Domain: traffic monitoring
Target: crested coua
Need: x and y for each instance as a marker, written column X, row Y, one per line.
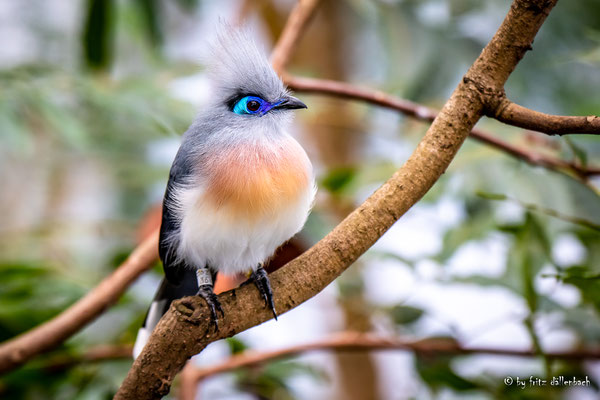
column 239, row 186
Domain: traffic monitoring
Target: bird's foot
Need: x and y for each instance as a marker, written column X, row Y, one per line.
column 207, row 293
column 261, row 281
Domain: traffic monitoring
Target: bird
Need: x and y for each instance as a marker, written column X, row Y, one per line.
column 240, row 185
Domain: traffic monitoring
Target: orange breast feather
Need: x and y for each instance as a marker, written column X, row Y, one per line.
column 252, row 181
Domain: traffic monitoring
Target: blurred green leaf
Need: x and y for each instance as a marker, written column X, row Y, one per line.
column 236, row 346
column 31, row 294
column 404, row 315
column 337, row 179
column 188, row 5
column 477, row 224
column 150, row 10
column 529, row 252
column 14, row 133
column 437, row 373
column 382, row 254
column 584, row 321
column 591, row 242
column 270, row 381
column 578, row 152
column 533, row 207
column 98, row 35
column 350, row 286
column 586, row 281
column 62, row 123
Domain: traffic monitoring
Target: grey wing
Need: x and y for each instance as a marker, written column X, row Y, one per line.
column 175, row 269
column 180, row 280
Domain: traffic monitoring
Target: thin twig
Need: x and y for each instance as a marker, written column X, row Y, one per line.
column 424, row 113
column 350, row 341
column 95, row 354
column 289, row 38
column 17, row 351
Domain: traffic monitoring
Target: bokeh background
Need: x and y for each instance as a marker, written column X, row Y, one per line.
column 94, row 95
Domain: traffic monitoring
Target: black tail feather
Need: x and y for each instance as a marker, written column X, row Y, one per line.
column 166, row 293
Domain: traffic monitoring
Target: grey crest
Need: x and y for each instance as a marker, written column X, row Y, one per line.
column 238, row 66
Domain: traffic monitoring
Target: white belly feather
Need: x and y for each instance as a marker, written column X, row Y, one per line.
column 210, row 237
column 220, row 233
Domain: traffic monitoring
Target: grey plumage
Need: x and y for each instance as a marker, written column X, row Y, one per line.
column 227, row 151
column 238, row 65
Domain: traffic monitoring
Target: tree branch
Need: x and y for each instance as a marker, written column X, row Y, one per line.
column 95, row 354
column 292, row 31
column 424, row 113
column 511, row 113
column 351, row 341
column 17, row 351
column 185, row 329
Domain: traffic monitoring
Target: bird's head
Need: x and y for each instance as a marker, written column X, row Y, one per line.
column 245, row 88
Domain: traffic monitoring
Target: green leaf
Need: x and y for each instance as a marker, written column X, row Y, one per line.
column 584, row 321
column 586, row 281
column 150, row 12
column 491, row 196
column 62, row 123
column 388, row 255
column 30, row 294
column 548, row 211
column 404, row 315
column 478, row 223
column 285, row 369
column 15, row 135
column 188, row 5
column 98, row 35
column 337, row 179
column 270, row 381
column 530, row 251
column 437, row 373
column 591, row 241
column 236, row 346
column 578, row 152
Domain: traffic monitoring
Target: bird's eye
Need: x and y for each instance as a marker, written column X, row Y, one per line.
column 253, row 105
column 250, row 105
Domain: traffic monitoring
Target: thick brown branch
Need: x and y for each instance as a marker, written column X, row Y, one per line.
column 513, row 114
column 295, row 25
column 424, row 113
column 50, row 334
column 349, row 341
column 185, row 329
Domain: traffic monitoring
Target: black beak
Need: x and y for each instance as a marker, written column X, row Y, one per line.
column 290, row 103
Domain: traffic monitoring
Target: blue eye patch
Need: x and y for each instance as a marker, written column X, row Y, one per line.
column 252, row 105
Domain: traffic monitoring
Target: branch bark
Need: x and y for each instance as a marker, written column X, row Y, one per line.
column 511, row 113
column 424, row 113
column 17, row 351
column 350, row 341
column 95, row 354
column 185, row 329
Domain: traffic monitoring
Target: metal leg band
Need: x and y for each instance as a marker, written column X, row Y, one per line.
column 203, row 276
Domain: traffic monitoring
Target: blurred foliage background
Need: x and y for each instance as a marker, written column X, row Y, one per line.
column 95, row 93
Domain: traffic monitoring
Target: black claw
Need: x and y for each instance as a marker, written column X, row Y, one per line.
column 261, row 281
column 206, row 292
